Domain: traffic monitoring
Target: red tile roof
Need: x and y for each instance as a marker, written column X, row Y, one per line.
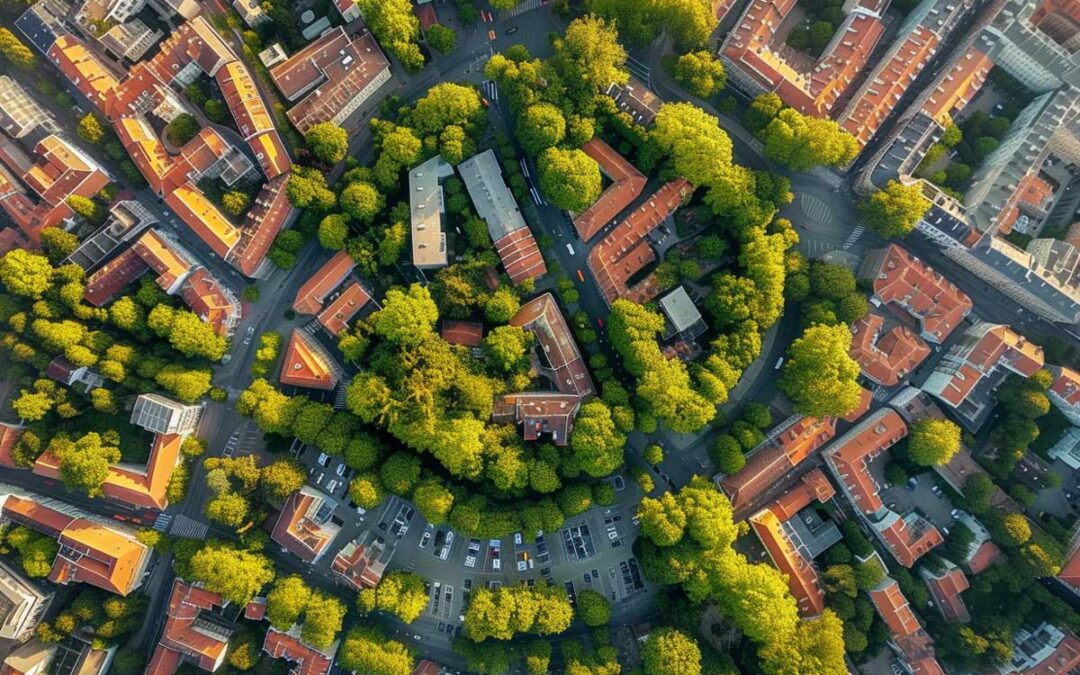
column 426, row 15
column 787, row 446
column 908, row 538
column 887, row 360
column 255, row 610
column 907, row 634
column 307, row 660
column 310, row 296
column 1070, row 571
column 1064, row 660
column 521, row 256
column 539, row 413
column 211, row 301
column 946, row 590
column 359, row 563
column 9, row 435
column 328, row 76
column 11, row 239
column 627, row 184
column 336, row 316
column 182, row 637
column 902, row 279
column 542, row 317
column 803, row 580
column 204, row 219
column 267, row 217
column 625, row 251
column 307, row 364
column 851, row 456
column 984, row 557
column 987, row 347
column 113, row 277
column 468, row 333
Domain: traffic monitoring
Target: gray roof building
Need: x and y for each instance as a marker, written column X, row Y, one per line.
column 493, row 201
column 162, row 415
column 426, row 212
column 22, row 605
column 683, row 317
column 19, row 113
column 1035, row 44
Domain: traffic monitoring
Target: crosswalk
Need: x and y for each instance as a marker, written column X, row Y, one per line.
column 233, row 392
column 191, row 529
column 814, row 208
column 854, row 236
column 161, row 523
column 815, row 248
column 827, row 175
column 491, row 90
column 521, row 8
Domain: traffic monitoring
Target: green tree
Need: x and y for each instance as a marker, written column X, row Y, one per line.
column 407, row 318
column 433, row 500
column 569, row 179
column 25, row 273
column 508, row 348
column 366, row 650
column 593, row 608
column 398, row 593
column 235, row 203
column 801, row 142
column 58, row 243
column 366, row 490
column 322, row 620
column 589, row 55
column 501, row 305
column 229, row 509
column 596, row 442
column 400, row 472
column 653, row 454
column 181, row 129
column 36, row 551
column 397, row 29
column 237, row 575
column 87, row 208
column 933, row 442
column 84, row 464
column 700, row 74
column 14, row 51
column 509, row 610
column 894, row 210
column 727, row 454
column 668, row 651
column 90, row 128
column 307, row 189
column 762, row 111
column 541, row 126
column 286, row 601
column 819, row 376
column 441, row 38
column 328, row 142
column 333, row 231
column 361, row 201
column 281, row 478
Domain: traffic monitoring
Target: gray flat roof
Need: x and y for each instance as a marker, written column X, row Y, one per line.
column 426, row 208
column 493, row 201
column 680, row 309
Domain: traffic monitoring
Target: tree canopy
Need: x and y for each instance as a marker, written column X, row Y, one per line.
column 819, row 376
column 569, row 179
column 894, row 210
column 327, row 141
column 933, row 442
column 700, row 73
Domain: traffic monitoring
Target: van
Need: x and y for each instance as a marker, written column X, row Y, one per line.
column 779, row 363
column 570, row 248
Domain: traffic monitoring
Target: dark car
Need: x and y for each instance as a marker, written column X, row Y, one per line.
column 511, row 30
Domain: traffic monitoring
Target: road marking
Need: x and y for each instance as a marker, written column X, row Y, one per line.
column 186, row 527
column 854, row 236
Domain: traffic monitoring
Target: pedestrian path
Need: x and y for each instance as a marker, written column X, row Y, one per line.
column 638, row 69
column 161, row 523
column 339, row 395
column 191, row 529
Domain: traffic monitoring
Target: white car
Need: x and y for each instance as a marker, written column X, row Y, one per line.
column 331, row 486
column 496, row 564
column 470, row 561
column 322, row 458
column 425, row 539
column 318, row 481
column 517, row 539
column 449, row 539
column 570, row 249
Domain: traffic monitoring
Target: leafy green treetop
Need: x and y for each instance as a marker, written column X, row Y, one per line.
column 894, row 210
column 933, row 442
column 819, row 376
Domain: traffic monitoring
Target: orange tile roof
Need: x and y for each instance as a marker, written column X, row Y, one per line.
column 625, row 250
column 271, row 154
column 993, row 345
column 142, row 488
column 328, row 76
column 9, row 435
column 541, row 317
column 888, row 360
column 10, row 238
column 894, row 608
column 1033, row 191
column 41, row 518
column 296, row 530
column 468, row 333
column 908, row 538
column 1064, row 659
column 946, row 590
column 876, row 98
column 851, row 456
column 182, row 636
column 803, row 580
column 252, row 118
column 310, row 296
column 336, row 316
column 794, row 441
column 100, row 556
column 200, row 214
column 627, row 184
column 161, row 256
column 306, row 363
column 88, row 74
column 211, row 301
column 145, row 150
column 521, row 256
column 959, row 84
column 900, row 278
column 538, row 412
column 308, row 660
